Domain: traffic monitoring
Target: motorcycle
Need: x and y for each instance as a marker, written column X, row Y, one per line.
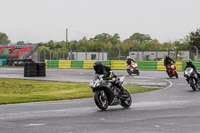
column 171, row 71
column 192, row 78
column 107, row 94
column 133, row 70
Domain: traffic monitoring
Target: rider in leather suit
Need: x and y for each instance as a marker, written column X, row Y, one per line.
column 99, row 68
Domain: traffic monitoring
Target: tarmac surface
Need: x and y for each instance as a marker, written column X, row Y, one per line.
column 171, row 110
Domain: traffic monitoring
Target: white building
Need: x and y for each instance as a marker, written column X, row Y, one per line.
column 158, row 55
column 88, row 55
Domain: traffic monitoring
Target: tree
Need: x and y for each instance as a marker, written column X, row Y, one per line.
column 20, row 43
column 140, row 38
column 105, row 38
column 194, row 38
column 4, row 39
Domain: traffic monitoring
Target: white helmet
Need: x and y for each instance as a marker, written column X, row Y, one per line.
column 128, row 57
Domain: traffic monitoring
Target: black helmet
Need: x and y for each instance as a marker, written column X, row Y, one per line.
column 189, row 62
column 98, row 67
column 167, row 56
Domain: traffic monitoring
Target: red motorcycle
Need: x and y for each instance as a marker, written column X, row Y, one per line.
column 133, row 69
column 171, row 71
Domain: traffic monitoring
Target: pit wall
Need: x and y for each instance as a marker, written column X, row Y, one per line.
column 115, row 64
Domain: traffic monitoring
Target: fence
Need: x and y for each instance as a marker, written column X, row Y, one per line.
column 115, row 64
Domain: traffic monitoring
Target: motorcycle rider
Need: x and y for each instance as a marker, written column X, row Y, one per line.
column 99, row 68
column 168, row 61
column 190, row 64
column 129, row 61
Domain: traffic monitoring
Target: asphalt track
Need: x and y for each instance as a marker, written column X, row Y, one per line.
column 175, row 109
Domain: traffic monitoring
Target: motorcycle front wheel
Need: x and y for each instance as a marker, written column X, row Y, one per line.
column 101, row 99
column 192, row 84
column 129, row 71
column 138, row 73
column 176, row 74
column 126, row 103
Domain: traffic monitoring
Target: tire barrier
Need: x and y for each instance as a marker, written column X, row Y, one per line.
column 17, row 62
column 41, row 69
column 32, row 69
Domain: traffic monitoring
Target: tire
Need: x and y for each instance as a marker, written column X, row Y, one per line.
column 192, row 84
column 126, row 103
column 31, row 67
column 129, row 71
column 101, row 100
column 31, row 64
column 32, row 71
column 41, row 64
column 41, row 71
column 41, row 74
column 25, row 74
column 41, row 68
column 138, row 73
column 176, row 74
column 169, row 74
column 31, row 74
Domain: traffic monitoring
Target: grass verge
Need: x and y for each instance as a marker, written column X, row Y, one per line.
column 21, row 91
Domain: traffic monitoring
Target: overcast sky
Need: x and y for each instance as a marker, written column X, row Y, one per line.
column 43, row 20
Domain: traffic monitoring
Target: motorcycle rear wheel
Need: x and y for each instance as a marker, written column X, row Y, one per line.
column 101, row 100
column 126, row 103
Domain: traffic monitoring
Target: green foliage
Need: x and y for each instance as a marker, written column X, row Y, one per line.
column 140, row 38
column 4, row 39
column 112, row 44
column 194, row 38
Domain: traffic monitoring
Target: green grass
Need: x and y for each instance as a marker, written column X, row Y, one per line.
column 20, row 91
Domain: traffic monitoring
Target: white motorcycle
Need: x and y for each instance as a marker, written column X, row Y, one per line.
column 133, row 70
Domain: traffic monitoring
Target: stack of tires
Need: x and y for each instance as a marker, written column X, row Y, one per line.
column 32, row 69
column 41, row 69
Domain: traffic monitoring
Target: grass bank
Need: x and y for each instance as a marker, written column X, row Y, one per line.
column 20, row 91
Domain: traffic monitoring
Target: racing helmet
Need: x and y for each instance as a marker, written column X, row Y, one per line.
column 98, row 66
column 189, row 62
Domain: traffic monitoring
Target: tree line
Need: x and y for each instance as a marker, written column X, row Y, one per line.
column 112, row 44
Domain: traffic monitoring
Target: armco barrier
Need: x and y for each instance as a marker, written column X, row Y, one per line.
column 117, row 64
column 197, row 64
column 76, row 64
column 107, row 63
column 147, row 65
column 160, row 66
column 64, row 64
column 88, row 64
column 178, row 66
column 52, row 64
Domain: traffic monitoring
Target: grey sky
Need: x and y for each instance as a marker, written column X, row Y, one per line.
column 44, row 20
